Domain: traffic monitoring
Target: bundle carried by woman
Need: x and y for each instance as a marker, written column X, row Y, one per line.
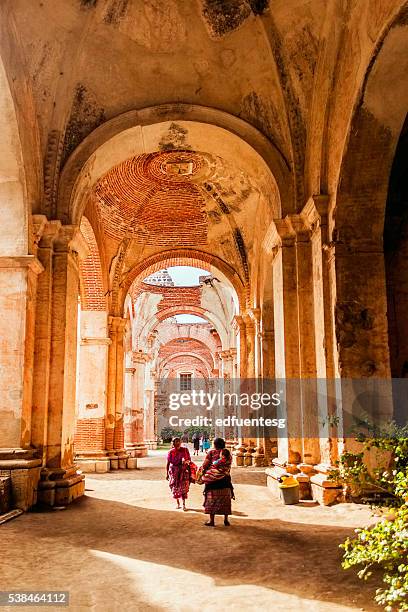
column 217, row 476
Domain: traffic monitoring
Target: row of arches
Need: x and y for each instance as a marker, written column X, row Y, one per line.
column 308, row 282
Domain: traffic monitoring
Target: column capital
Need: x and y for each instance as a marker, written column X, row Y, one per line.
column 307, row 222
column 70, row 240
column 302, row 228
column 227, row 353
column 46, row 233
column 64, row 237
column 254, row 314
column 286, row 231
column 140, row 357
column 238, row 323
column 39, row 223
column 116, row 323
column 249, row 321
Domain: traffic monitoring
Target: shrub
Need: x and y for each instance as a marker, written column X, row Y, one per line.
column 383, row 546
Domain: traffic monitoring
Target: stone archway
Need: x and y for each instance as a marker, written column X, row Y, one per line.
column 360, row 274
column 168, row 127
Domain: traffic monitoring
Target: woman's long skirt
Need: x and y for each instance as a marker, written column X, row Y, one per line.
column 179, row 481
column 217, row 501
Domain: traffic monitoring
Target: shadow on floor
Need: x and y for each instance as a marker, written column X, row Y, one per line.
column 293, row 558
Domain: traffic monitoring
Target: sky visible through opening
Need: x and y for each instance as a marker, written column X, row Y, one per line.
column 186, row 276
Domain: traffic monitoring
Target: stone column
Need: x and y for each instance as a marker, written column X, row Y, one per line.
column 287, row 334
column 114, row 429
column 268, row 353
column 311, row 329
column 253, row 321
column 242, row 369
column 139, row 360
column 60, row 480
column 149, row 395
column 18, row 281
column 46, row 232
column 330, row 451
column 228, row 385
column 92, row 380
column 226, row 357
column 240, row 332
column 134, row 429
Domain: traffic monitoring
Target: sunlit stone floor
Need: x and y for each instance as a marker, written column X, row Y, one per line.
column 125, row 547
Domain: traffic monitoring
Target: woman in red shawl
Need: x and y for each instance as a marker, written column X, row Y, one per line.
column 178, row 472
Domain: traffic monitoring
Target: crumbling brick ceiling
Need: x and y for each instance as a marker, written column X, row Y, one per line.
column 146, row 199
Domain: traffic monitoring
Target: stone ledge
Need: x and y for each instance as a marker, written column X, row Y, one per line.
column 18, row 453
column 92, row 466
column 61, row 492
column 24, row 475
column 22, row 261
column 19, row 464
column 326, row 492
column 63, row 482
column 323, row 481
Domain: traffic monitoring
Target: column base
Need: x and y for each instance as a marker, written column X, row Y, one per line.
column 136, row 450
column 60, row 487
column 91, row 463
column 258, row 458
column 151, row 444
column 248, row 459
column 327, row 492
column 239, row 455
column 23, row 468
column 120, row 460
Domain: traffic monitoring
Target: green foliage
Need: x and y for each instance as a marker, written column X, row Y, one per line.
column 167, row 433
column 383, row 546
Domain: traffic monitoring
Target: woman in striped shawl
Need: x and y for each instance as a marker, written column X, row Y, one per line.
column 218, row 490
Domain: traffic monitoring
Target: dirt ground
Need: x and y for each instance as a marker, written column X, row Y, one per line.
column 124, row 546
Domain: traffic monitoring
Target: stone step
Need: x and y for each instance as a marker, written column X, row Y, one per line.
column 10, row 515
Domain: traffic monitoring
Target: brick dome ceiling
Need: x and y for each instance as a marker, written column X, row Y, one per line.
column 155, row 200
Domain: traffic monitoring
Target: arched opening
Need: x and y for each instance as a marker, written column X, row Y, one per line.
column 179, row 328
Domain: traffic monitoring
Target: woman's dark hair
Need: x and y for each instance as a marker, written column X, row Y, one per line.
column 219, row 443
column 175, row 439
